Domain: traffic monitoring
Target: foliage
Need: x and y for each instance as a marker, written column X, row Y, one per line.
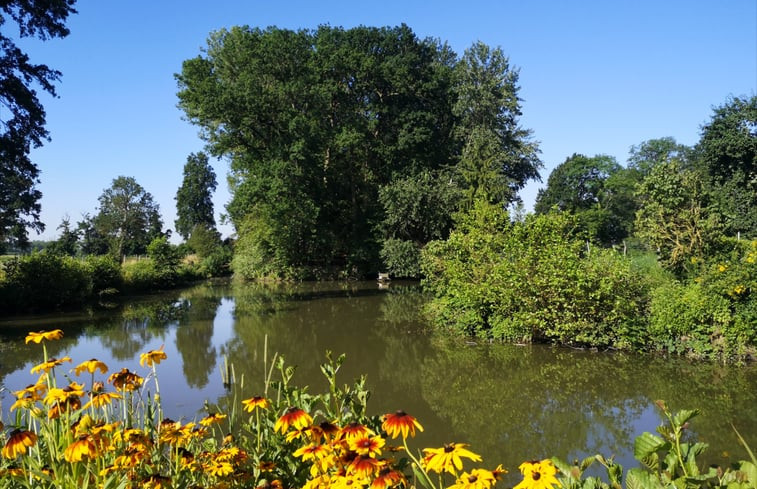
column 44, row 281
column 22, row 125
column 597, row 190
column 498, row 156
column 128, row 217
column 675, row 217
column 532, row 281
column 416, row 210
column 712, row 314
column 194, row 204
column 669, row 460
column 648, row 154
column 68, row 242
column 317, row 122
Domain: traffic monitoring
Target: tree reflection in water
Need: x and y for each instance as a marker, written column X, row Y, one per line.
column 511, row 403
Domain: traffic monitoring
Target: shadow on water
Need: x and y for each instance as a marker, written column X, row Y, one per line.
column 511, row 403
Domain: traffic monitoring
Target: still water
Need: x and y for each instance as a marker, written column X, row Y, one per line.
column 510, row 403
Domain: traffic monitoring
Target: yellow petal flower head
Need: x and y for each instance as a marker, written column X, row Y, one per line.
column 152, row 357
column 476, row 479
column 363, row 466
column 37, row 337
column 388, row 477
column 81, row 450
column 293, row 416
column 538, row 475
column 366, row 445
column 255, row 402
column 219, row 469
column 312, row 452
column 400, row 423
column 448, row 458
column 17, row 443
column 124, row 380
column 354, row 430
column 50, row 364
column 212, row 418
column 90, row 366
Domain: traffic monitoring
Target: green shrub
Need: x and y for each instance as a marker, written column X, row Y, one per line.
column 534, row 280
column 402, row 258
column 44, row 281
column 104, row 273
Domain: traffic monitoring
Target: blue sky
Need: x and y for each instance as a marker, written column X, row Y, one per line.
column 596, row 77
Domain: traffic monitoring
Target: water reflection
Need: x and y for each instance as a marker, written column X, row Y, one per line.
column 510, row 403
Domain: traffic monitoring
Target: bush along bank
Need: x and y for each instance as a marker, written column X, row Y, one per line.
column 106, row 431
column 46, row 281
column 539, row 280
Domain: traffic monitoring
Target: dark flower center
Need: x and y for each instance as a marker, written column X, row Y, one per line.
column 536, row 475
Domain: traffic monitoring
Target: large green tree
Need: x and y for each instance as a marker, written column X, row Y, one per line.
column 728, row 151
column 598, row 190
column 314, row 123
column 498, row 156
column 194, row 199
column 128, row 217
column 22, row 120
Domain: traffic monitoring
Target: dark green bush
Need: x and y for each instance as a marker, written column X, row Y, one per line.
column 44, row 281
column 402, row 258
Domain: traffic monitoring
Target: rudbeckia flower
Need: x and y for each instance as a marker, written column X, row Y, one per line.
column 353, row 430
column 366, row 445
column 387, row 478
column 37, row 337
column 18, row 442
column 212, row 418
column 125, row 380
column 218, row 469
column 364, row 466
column 51, row 363
column 538, row 475
column 312, row 452
column 90, row 366
column 81, row 449
column 400, row 423
column 293, row 416
column 448, row 458
column 254, row 403
column 476, row 479
column 152, row 357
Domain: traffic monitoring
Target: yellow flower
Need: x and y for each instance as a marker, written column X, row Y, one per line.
column 37, row 337
column 90, row 366
column 51, row 363
column 722, row 268
column 366, row 445
column 125, row 380
column 312, row 452
column 155, row 481
column 82, row 449
column 255, row 402
column 17, row 443
column 293, row 416
column 212, row 418
column 387, row 478
column 364, row 466
column 152, row 357
column 476, row 479
column 538, row 475
column 219, row 469
column 400, row 423
column 354, row 430
column 447, row 458
column 739, row 289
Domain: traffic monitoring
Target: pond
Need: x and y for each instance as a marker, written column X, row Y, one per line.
column 510, row 403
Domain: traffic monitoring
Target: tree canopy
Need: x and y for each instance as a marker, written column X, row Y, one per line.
column 315, row 122
column 22, row 122
column 128, row 218
column 194, row 199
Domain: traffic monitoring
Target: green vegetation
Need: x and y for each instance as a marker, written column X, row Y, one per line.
column 324, row 128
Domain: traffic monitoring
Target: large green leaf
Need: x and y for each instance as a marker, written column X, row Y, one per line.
column 645, row 449
column 681, row 417
column 640, row 479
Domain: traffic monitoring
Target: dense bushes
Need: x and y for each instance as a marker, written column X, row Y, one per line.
column 538, row 280
column 532, row 281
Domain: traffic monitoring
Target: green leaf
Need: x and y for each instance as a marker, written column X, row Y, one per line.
column 681, row 417
column 640, row 479
column 646, row 446
column 750, row 471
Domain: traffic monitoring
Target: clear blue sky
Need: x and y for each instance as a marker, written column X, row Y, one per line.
column 595, row 76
